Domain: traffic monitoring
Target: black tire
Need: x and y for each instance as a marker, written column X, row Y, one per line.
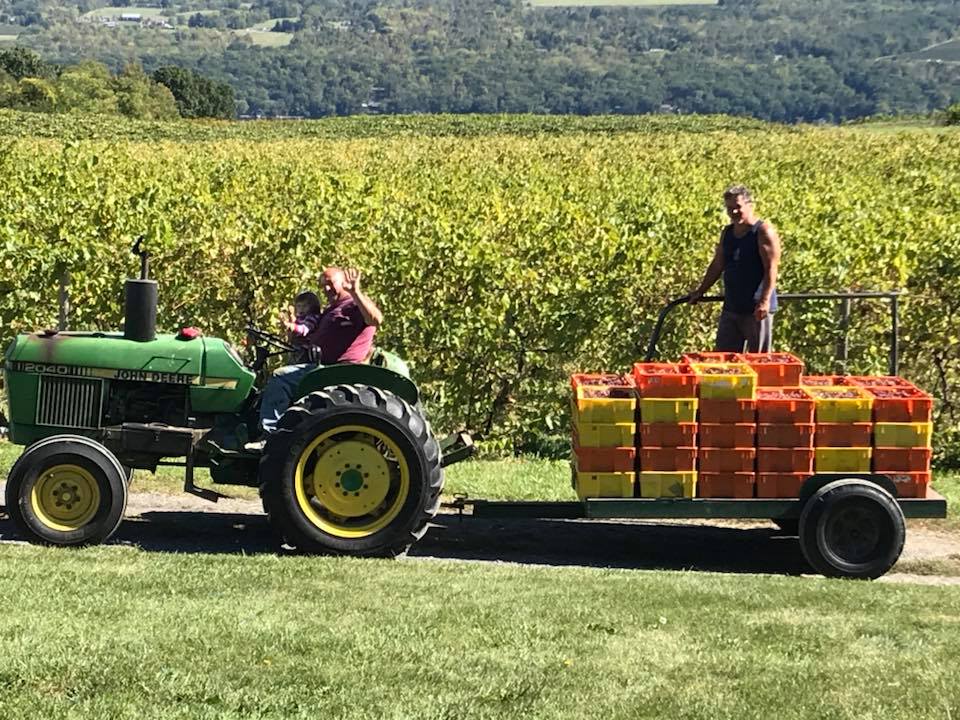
column 397, row 519
column 41, row 475
column 852, row 529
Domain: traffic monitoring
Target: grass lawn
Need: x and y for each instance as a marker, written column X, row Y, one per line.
column 115, row 12
column 121, row 633
column 633, row 3
column 266, row 38
column 8, row 38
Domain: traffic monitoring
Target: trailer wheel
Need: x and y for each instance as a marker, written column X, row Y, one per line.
column 66, row 490
column 351, row 470
column 852, row 529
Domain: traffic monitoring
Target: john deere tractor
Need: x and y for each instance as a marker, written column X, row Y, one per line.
column 353, row 468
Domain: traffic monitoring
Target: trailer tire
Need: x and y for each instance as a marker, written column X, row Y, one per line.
column 351, row 470
column 852, row 529
column 66, row 490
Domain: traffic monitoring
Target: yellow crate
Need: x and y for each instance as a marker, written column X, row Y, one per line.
column 833, row 407
column 907, row 435
column 604, row 485
column 668, row 484
column 668, row 410
column 605, row 434
column 604, row 410
column 842, row 459
column 738, row 382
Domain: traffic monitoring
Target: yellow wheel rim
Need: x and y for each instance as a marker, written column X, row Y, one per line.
column 65, row 497
column 352, row 481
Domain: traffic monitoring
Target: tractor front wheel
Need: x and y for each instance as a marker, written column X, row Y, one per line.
column 352, row 470
column 66, row 490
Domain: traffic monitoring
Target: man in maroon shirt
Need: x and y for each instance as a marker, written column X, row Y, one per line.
column 343, row 334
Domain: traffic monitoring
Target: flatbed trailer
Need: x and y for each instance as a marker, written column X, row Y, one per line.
column 848, row 524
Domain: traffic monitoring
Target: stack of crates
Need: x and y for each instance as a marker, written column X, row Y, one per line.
column 667, row 437
column 902, row 432
column 603, row 411
column 727, row 393
column 784, row 425
column 844, row 415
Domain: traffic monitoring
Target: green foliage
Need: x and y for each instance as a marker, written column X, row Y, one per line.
column 19, row 62
column 503, row 262
column 952, row 115
column 197, row 96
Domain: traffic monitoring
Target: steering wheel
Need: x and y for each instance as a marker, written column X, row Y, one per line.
column 268, row 338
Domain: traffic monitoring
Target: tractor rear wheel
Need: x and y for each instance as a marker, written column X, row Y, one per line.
column 852, row 528
column 66, row 490
column 352, row 470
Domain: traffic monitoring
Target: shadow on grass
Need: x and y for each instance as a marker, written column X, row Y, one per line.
column 648, row 545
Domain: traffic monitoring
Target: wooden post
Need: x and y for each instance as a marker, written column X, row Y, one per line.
column 64, row 300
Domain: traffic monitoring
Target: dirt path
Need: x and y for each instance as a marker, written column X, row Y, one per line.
column 183, row 523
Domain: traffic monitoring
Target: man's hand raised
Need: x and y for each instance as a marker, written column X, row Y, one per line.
column 351, row 281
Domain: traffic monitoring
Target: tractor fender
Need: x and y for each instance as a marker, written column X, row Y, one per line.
column 359, row 374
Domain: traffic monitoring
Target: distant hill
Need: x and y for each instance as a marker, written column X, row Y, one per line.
column 817, row 60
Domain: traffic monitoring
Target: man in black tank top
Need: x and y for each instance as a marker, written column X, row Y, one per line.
column 747, row 257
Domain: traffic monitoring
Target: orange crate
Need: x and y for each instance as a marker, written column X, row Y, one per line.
column 780, row 485
column 664, row 435
column 775, row 369
column 840, row 435
column 912, row 484
column 784, row 406
column 678, row 459
column 727, row 435
column 726, row 485
column 823, row 380
column 728, row 411
column 785, row 436
column 879, row 381
column 711, row 357
column 620, row 459
column 664, row 380
column 899, row 460
column 719, row 460
column 785, row 460
column 901, row 404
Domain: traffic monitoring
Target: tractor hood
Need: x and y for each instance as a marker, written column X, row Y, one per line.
column 217, row 379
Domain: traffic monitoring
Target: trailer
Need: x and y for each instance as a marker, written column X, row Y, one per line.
column 849, row 525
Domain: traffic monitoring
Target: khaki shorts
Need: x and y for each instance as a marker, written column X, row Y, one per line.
column 734, row 331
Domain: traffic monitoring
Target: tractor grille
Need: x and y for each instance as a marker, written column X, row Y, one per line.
column 70, row 402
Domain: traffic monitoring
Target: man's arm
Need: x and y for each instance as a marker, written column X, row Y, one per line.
column 714, row 271
column 368, row 308
column 769, row 246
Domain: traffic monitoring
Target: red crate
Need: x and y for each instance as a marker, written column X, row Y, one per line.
column 823, row 380
column 879, row 381
column 772, row 435
column 668, row 435
column 727, row 459
column 901, row 404
column 785, row 460
column 711, row 357
column 678, row 459
column 605, row 459
column 784, row 406
column 912, row 484
column 726, row 485
column 664, row 380
column 775, row 369
column 780, row 485
column 728, row 411
column 844, row 435
column 605, row 385
column 899, row 460
column 728, row 435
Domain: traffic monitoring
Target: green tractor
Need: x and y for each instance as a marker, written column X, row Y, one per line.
column 352, row 469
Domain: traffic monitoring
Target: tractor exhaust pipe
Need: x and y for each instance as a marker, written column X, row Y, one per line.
column 140, row 301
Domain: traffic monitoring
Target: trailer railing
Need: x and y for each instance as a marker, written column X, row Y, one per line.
column 844, row 298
